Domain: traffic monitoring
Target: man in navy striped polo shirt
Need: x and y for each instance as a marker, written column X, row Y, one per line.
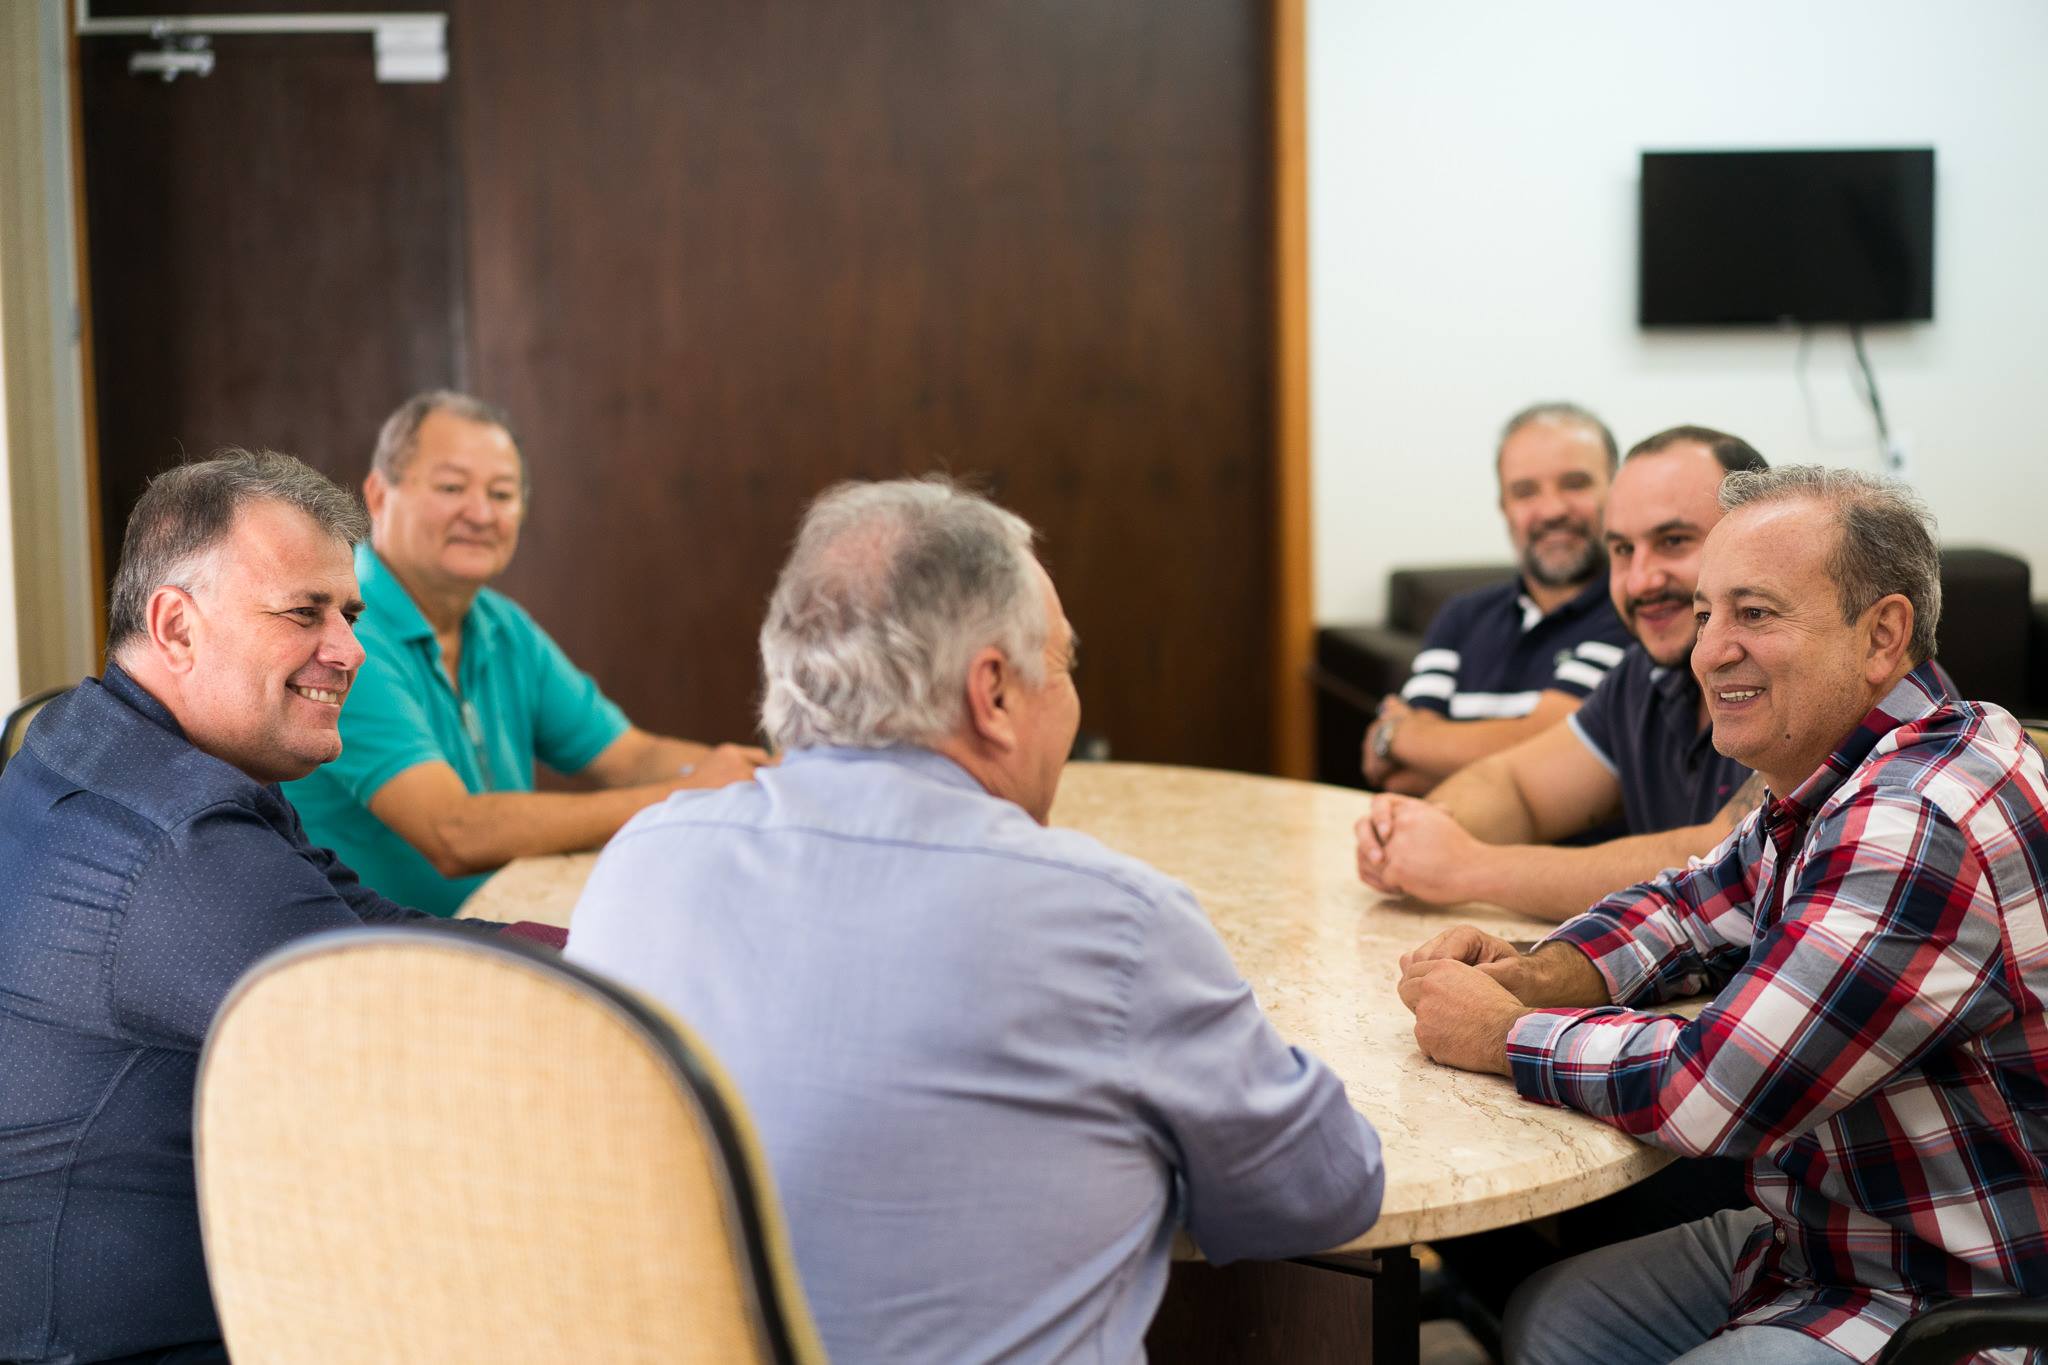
column 1504, row 663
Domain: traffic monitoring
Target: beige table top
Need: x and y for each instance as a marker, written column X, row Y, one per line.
column 1271, row 861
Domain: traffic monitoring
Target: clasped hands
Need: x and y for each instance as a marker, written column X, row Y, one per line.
column 1408, row 847
column 1466, row 987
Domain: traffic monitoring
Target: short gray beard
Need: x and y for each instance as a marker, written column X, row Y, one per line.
column 1581, row 571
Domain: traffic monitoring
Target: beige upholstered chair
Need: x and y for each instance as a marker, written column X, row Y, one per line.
column 421, row 1145
column 15, row 728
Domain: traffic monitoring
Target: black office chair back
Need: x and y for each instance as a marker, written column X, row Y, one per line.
column 1956, row 1331
column 15, row 728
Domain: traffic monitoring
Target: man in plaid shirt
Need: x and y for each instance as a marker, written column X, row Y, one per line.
column 1876, row 941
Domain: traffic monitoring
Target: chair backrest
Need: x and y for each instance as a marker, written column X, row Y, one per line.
column 14, row 729
column 1415, row 596
column 427, row 1145
column 1987, row 606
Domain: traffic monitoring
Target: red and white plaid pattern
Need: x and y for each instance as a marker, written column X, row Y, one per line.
column 1876, row 1044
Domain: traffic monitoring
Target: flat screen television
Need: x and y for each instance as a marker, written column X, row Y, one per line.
column 1770, row 237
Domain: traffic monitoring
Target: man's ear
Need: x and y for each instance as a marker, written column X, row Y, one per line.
column 374, row 489
column 171, row 622
column 989, row 680
column 1891, row 631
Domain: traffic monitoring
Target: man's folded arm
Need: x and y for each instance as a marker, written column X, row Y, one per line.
column 1662, row 939
column 1556, row 883
column 1548, row 787
column 1273, row 1158
column 1876, row 961
column 462, row 832
column 1436, row 746
column 637, row 757
column 1474, row 839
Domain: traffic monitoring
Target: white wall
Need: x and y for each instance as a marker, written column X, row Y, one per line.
column 1472, row 182
column 47, row 612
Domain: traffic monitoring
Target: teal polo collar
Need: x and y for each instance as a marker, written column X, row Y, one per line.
column 387, row 598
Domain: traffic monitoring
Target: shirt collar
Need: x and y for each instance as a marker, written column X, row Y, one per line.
column 924, row 762
column 1677, row 684
column 1589, row 598
column 1914, row 697
column 386, row 597
column 139, row 698
column 115, row 735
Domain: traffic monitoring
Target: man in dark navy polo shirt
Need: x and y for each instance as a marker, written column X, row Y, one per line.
column 1639, row 747
column 1504, row 663
column 150, row 861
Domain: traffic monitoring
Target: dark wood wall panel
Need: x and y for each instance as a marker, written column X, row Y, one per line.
column 717, row 255
column 273, row 255
column 725, row 253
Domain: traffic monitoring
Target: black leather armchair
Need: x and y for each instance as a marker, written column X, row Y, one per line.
column 1987, row 615
column 2037, row 662
column 1357, row 665
column 1956, row 1331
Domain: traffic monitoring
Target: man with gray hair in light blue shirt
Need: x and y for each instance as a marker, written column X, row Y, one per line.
column 995, row 1066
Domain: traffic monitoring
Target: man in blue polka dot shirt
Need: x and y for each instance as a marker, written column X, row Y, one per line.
column 151, row 859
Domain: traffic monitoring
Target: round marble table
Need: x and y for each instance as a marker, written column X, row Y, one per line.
column 1272, row 862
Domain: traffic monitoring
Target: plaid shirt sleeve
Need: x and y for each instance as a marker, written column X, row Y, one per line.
column 1684, row 932
column 1886, row 949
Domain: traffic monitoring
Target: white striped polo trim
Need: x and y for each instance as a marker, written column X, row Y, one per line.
column 1435, row 661
column 1492, row 705
column 1600, row 652
column 1584, row 674
column 1437, row 685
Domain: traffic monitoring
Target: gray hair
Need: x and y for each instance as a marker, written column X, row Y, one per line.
column 1886, row 543
column 890, row 591
column 1561, row 414
column 185, row 513
column 398, row 440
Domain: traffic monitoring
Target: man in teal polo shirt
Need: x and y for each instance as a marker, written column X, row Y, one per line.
column 462, row 691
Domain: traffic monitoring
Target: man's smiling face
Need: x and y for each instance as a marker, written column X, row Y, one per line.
column 1785, row 677
column 1553, row 484
column 1658, row 517
column 274, row 648
column 451, row 518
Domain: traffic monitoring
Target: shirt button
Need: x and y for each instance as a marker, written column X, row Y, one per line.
column 1778, row 1236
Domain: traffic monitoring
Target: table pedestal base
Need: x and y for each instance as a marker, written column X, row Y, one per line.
column 1349, row 1309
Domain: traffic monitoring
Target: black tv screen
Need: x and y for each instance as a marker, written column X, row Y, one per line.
column 1745, row 237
